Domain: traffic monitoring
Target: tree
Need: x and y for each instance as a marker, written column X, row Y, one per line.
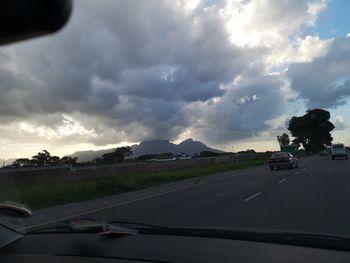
column 165, row 156
column 248, row 151
column 117, row 156
column 22, row 162
column 54, row 161
column 283, row 139
column 96, row 160
column 146, row 157
column 208, row 154
column 107, row 158
column 42, row 158
column 312, row 130
column 122, row 153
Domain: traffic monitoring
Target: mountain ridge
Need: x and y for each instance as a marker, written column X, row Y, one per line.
column 188, row 146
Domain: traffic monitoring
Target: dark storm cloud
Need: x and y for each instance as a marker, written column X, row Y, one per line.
column 151, row 53
column 324, row 82
column 170, row 84
column 135, row 70
column 244, row 112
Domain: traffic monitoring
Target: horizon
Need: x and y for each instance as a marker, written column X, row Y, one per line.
column 132, row 144
column 227, row 73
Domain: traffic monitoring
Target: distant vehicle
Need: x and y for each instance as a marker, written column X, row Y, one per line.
column 283, row 160
column 323, row 153
column 183, row 156
column 339, row 150
column 166, row 159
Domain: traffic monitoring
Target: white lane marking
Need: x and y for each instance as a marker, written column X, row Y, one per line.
column 139, row 199
column 281, row 181
column 296, row 173
column 253, row 196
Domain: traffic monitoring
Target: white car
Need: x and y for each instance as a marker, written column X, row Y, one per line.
column 339, row 150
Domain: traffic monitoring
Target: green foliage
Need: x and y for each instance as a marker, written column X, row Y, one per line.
column 146, row 157
column 54, row 160
column 44, row 158
column 165, row 156
column 312, row 130
column 248, row 151
column 43, row 195
column 283, row 139
column 117, row 156
column 22, row 162
column 103, row 184
column 208, row 154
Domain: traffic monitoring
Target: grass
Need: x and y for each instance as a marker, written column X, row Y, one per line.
column 47, row 195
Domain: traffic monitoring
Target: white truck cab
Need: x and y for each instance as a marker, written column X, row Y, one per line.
column 339, row 150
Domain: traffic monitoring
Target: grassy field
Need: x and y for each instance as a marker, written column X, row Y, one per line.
column 46, row 195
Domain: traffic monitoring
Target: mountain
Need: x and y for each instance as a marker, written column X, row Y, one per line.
column 154, row 147
column 188, row 146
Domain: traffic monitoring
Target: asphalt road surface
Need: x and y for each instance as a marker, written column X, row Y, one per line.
column 314, row 198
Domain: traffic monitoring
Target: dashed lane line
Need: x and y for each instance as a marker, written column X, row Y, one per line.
column 253, row 196
column 140, row 199
column 281, row 181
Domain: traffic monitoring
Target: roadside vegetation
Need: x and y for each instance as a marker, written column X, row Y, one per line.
column 46, row 195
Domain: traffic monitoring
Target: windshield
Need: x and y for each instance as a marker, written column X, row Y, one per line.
column 280, row 155
column 168, row 113
column 337, row 146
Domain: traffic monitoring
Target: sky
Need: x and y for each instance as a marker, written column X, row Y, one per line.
column 230, row 73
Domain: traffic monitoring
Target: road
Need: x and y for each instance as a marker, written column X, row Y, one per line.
column 314, row 197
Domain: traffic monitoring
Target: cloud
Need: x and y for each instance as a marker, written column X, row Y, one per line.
column 244, row 112
column 123, row 71
column 324, row 82
column 339, row 123
column 268, row 22
column 278, row 28
column 152, row 54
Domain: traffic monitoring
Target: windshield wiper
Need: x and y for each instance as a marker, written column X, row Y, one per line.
column 89, row 225
column 14, row 210
column 148, row 226
column 288, row 238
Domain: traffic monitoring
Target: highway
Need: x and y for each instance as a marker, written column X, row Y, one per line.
column 314, row 198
